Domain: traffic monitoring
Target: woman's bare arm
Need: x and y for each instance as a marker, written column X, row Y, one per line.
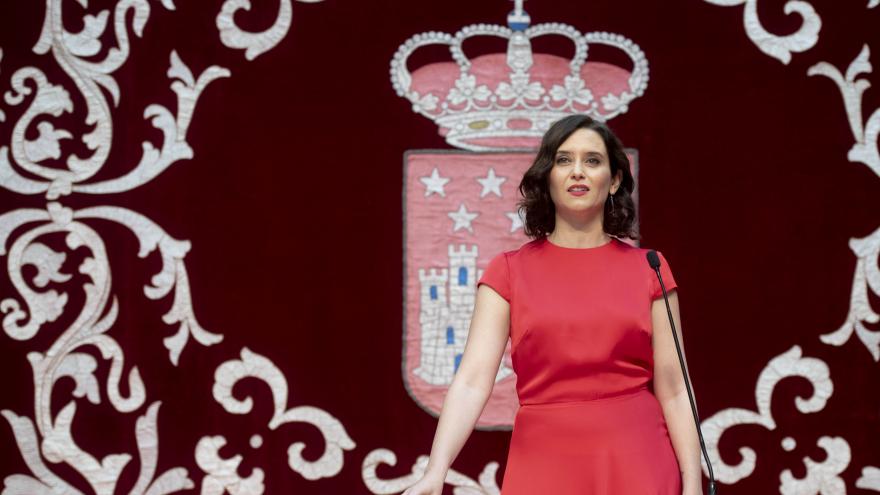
column 473, row 382
column 669, row 387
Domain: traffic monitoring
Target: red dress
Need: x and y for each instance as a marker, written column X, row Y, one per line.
column 580, row 329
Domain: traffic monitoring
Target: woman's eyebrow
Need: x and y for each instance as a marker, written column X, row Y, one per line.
column 589, row 153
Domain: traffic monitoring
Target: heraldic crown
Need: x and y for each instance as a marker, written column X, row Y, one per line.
column 507, row 101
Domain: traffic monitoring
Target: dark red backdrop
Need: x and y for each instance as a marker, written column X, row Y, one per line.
column 292, row 204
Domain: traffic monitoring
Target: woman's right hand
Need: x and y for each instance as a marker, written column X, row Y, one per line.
column 426, row 486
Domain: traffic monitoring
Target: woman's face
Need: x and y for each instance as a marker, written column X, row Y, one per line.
column 580, row 179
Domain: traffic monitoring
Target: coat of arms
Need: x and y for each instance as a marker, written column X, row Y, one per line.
column 460, row 205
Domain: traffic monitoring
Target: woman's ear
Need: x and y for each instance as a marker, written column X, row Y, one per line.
column 618, row 178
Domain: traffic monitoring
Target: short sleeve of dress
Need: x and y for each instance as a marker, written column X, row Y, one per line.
column 668, row 279
column 497, row 276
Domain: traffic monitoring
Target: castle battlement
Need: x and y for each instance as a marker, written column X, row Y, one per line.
column 462, row 250
column 433, row 275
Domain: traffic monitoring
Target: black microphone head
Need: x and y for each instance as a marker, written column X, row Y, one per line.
column 653, row 259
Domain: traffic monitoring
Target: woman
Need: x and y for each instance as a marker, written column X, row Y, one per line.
column 603, row 405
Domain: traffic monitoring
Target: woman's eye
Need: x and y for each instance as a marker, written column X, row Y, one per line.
column 562, row 159
column 593, row 161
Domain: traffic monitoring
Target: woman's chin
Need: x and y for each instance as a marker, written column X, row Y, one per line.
column 580, row 209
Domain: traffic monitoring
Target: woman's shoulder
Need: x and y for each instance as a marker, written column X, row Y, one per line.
column 639, row 255
column 627, row 253
column 526, row 248
column 627, row 247
column 518, row 253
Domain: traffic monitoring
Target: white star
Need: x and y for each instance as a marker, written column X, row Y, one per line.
column 516, row 221
column 491, row 183
column 434, row 183
column 463, row 218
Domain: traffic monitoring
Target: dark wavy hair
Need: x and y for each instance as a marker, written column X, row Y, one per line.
column 536, row 205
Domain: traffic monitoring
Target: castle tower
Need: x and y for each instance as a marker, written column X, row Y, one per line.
column 445, row 321
column 437, row 365
column 462, row 293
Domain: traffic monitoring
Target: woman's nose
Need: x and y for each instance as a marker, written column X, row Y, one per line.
column 578, row 170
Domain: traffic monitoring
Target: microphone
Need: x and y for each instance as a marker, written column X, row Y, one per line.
column 654, row 263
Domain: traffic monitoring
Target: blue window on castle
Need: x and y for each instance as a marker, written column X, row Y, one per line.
column 450, row 335
column 433, row 292
column 457, row 361
column 462, row 276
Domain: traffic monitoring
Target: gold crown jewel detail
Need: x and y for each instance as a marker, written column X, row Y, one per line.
column 507, row 101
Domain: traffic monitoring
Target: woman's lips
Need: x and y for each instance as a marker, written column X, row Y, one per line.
column 578, row 190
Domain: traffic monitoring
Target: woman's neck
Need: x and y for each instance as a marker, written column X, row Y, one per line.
column 578, row 234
